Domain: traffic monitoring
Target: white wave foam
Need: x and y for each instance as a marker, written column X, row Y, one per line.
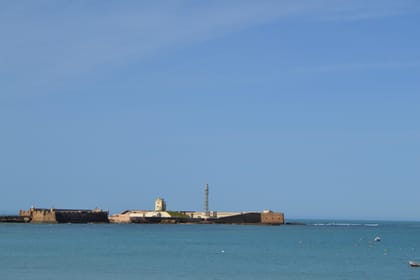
column 344, row 225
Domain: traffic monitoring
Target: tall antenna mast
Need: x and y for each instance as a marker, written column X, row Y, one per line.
column 206, row 200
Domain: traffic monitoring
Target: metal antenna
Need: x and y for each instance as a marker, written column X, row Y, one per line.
column 206, row 200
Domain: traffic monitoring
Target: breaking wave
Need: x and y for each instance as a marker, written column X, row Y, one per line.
column 345, row 225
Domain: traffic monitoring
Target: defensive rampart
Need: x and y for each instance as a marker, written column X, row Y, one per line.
column 272, row 218
column 42, row 215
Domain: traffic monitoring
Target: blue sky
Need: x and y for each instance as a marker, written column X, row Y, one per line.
column 306, row 107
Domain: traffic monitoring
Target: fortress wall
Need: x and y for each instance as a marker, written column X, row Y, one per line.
column 227, row 214
column 43, row 216
column 120, row 218
column 246, row 218
column 272, row 218
column 82, row 217
column 25, row 213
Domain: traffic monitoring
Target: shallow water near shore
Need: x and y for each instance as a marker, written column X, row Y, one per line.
column 318, row 250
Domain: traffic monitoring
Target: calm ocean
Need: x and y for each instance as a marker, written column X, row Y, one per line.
column 316, row 251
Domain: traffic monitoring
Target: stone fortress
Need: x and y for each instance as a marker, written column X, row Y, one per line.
column 160, row 214
column 62, row 216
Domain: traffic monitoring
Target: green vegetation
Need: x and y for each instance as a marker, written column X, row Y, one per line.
column 176, row 214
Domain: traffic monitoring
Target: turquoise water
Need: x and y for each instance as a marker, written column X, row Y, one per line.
column 323, row 251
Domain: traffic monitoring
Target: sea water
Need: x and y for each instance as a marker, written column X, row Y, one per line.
column 318, row 250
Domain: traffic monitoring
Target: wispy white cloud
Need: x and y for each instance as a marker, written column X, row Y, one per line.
column 47, row 41
column 43, row 40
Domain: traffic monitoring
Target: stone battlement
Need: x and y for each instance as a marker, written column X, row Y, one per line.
column 44, row 215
